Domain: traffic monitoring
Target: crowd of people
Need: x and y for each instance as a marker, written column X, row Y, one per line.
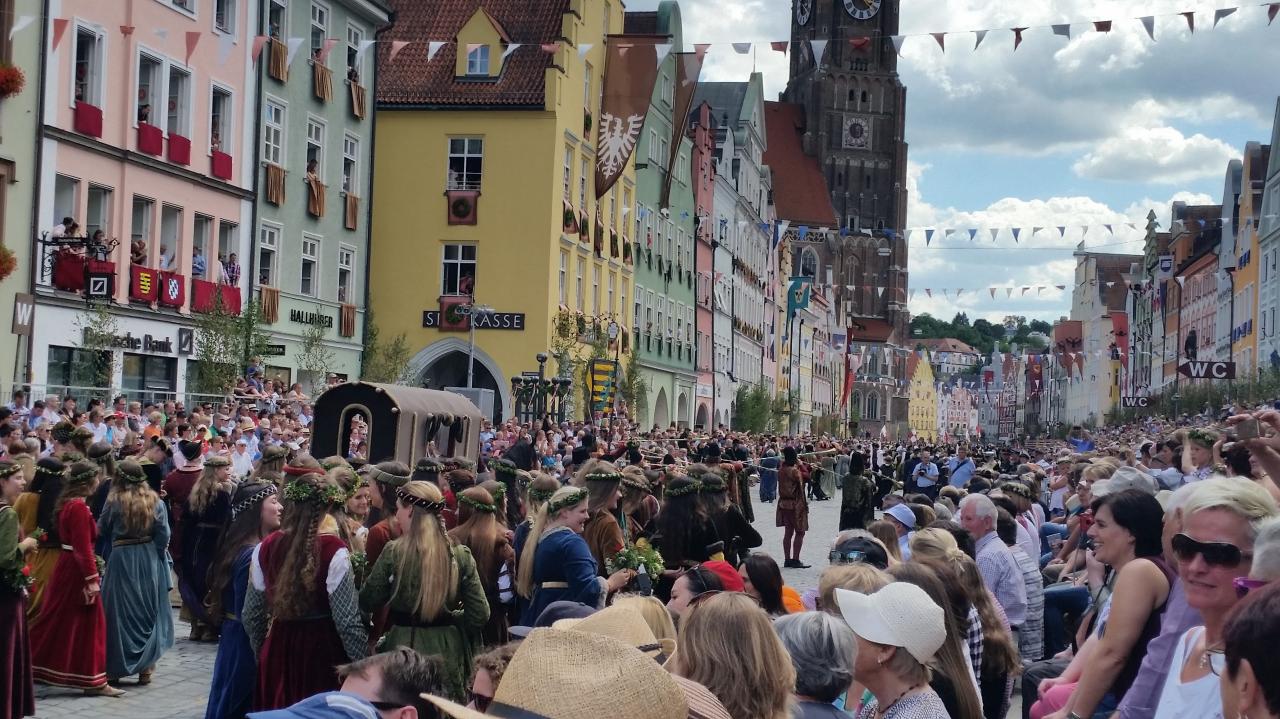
column 559, row 573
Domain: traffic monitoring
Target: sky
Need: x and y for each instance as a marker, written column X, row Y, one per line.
column 1100, row 128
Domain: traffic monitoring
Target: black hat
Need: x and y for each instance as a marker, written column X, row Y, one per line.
column 711, row 450
column 189, row 450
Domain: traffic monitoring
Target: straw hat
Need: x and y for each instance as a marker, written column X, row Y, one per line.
column 623, row 624
column 562, row 674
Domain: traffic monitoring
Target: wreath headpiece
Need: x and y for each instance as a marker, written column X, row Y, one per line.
column 419, row 502
column 476, row 504
column 8, row 469
column 603, row 477
column 84, row 477
column 568, row 500
column 296, row 491
column 692, row 487
column 503, row 466
column 132, row 477
column 540, row 495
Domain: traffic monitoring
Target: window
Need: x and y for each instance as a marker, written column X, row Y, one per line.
column 582, row 270
column 203, row 230
column 626, row 203
column 586, row 86
column 564, row 277
column 583, row 168
column 315, row 146
column 568, row 173
column 350, row 163
column 170, row 238
column 355, row 36
column 141, row 225
column 653, row 145
column 276, row 19
column 179, row 102
column 310, row 266
column 268, row 243
column 149, row 87
column 478, row 60
column 185, row 5
column 228, row 242
column 682, row 168
column 466, row 162
column 668, row 93
column 87, row 84
column 613, row 286
column 273, row 132
column 219, row 112
column 346, row 265
column 224, row 16
column 459, row 269
column 595, row 290
column 97, row 214
column 319, row 27
column 808, row 263
column 613, row 207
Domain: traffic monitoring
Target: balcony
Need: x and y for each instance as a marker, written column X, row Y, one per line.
column 208, row 296
column 220, row 165
column 179, row 149
column 87, row 119
column 150, row 139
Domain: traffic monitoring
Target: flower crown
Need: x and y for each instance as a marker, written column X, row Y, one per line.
column 503, row 466
column 131, row 477
column 419, row 502
column 84, row 477
column 296, row 491
column 568, row 500
column 253, row 499
column 7, row 470
column 476, row 504
column 691, row 488
column 1202, row 437
column 541, row 495
column 603, row 477
column 51, row 472
column 498, row 493
column 635, row 483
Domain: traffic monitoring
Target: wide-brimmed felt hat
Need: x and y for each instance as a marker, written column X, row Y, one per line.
column 564, row 674
column 624, row 624
column 899, row 615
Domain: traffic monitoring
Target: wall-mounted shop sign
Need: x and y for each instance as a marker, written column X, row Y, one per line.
column 303, row 317
column 273, row 351
column 487, row 321
column 127, row 341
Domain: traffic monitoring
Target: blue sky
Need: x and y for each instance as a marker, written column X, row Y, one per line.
column 1098, row 129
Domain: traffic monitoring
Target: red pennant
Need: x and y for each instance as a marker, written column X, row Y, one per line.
column 1017, row 37
column 859, row 43
column 1190, row 15
column 59, row 29
column 126, row 30
column 396, row 47
column 1272, row 9
column 551, row 47
column 941, row 39
column 780, row 46
column 1102, row 26
column 193, row 39
column 700, row 49
column 258, row 43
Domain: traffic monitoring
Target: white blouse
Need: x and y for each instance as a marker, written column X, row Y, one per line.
column 1198, row 699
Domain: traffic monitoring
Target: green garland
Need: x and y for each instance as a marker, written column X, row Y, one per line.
column 603, row 477
column 1203, row 438
column 298, row 492
column 693, row 487
column 633, row 557
column 84, row 477
column 567, row 501
column 503, row 466
column 541, row 495
column 476, row 504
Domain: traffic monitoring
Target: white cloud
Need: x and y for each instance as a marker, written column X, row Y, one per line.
column 1137, row 212
column 1161, row 155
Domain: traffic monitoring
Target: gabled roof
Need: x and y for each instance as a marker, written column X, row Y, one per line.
column 869, row 329
column 800, row 192
column 725, row 99
column 413, row 81
column 948, row 344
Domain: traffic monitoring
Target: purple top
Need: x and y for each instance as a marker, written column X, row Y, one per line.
column 1143, row 696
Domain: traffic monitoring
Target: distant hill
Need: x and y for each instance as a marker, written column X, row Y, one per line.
column 981, row 334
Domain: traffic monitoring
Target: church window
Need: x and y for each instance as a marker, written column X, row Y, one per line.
column 808, row 263
column 864, row 97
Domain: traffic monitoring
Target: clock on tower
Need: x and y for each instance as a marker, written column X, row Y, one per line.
column 804, row 11
column 862, row 9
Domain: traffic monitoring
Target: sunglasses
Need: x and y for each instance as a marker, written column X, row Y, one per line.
column 1244, row 585
column 480, row 701
column 1216, row 554
column 851, row 556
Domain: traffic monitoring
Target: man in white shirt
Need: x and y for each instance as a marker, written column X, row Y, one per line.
column 241, row 460
column 925, row 476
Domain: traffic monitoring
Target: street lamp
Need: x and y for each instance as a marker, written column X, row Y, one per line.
column 472, row 310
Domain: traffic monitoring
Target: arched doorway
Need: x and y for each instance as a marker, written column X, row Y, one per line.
column 704, row 414
column 443, row 363
column 682, row 410
column 661, row 413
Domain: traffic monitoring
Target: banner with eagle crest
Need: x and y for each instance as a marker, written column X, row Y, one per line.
column 631, row 69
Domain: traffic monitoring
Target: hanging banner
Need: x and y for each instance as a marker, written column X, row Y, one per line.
column 688, row 67
column 1067, row 341
column 628, row 87
column 1120, row 328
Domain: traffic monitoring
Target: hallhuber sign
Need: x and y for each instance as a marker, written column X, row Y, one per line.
column 303, row 317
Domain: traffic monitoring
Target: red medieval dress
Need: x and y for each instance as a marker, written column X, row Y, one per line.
column 69, row 635
column 299, row 656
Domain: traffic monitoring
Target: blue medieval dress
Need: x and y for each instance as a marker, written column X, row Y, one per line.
column 235, row 670
column 563, row 569
column 135, row 592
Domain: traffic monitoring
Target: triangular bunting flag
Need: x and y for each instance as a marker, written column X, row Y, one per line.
column 325, row 49
column 1149, row 24
column 1024, row 291
column 364, row 46
column 817, row 47
column 510, row 49
column 1190, row 15
column 258, row 43
column 1035, row 231
column 193, row 39
column 1063, row 29
column 396, row 47
column 551, row 48
column 992, row 290
column 1061, row 287
column 584, row 48
column 911, row 295
column 897, row 41
column 1062, row 231
column 928, row 237
column 701, row 49
column 1039, row 289
column 433, row 47
column 994, row 231
column 1017, row 37
column 880, row 291
column 1180, row 280
column 959, row 290
column 1109, row 230
column 662, row 49
column 1102, row 26
column 941, row 39
column 973, row 232
column 946, row 293
column 294, row 44
column 928, row 291
column 979, row 36
column 1008, row 292
column 59, row 29
column 1016, row 231
column 1221, row 13
column 742, row 48
column 779, row 46
column 1272, row 10
column 21, row 23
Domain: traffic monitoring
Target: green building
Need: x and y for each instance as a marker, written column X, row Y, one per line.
column 315, row 130
column 664, row 309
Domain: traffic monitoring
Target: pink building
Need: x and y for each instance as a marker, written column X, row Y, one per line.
column 704, row 186
column 147, row 137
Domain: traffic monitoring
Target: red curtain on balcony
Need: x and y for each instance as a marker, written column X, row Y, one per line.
column 68, row 271
column 202, row 294
column 179, row 149
column 144, row 283
column 173, row 289
column 221, row 165
column 230, row 298
column 87, row 119
column 150, row 139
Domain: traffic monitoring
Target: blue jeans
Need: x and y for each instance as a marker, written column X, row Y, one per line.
column 768, row 486
column 1061, row 601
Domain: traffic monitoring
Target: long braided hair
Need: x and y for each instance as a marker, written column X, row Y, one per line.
column 425, row 544
column 296, row 580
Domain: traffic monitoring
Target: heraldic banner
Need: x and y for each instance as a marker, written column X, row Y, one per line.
column 688, row 67
column 631, row 68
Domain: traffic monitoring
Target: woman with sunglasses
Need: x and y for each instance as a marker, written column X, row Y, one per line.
column 1214, row 548
column 691, row 585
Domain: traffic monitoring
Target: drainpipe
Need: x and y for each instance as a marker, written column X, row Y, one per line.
column 35, row 174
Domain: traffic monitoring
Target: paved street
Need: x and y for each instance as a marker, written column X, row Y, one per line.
column 824, row 524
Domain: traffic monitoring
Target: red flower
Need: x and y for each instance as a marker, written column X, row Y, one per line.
column 26, row 570
column 11, row 80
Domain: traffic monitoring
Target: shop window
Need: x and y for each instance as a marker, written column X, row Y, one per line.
column 148, row 378
column 73, row 367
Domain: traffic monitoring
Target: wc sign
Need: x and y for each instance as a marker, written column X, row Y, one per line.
column 24, row 313
column 1135, row 402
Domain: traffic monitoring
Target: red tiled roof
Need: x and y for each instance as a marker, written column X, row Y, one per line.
column 800, row 192
column 412, row 80
column 948, row 344
column 913, row 361
column 866, row 329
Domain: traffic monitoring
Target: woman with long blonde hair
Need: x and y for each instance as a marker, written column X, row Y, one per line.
column 430, row 584
column 300, row 609
column 135, row 591
column 480, row 531
column 727, row 644
column 602, row 532
column 206, row 511
column 555, row 562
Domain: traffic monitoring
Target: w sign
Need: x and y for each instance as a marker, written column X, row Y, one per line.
column 1208, row 370
column 1134, row 402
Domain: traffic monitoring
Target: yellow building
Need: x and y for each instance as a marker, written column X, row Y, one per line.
column 1246, row 178
column 922, row 406
column 485, row 173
